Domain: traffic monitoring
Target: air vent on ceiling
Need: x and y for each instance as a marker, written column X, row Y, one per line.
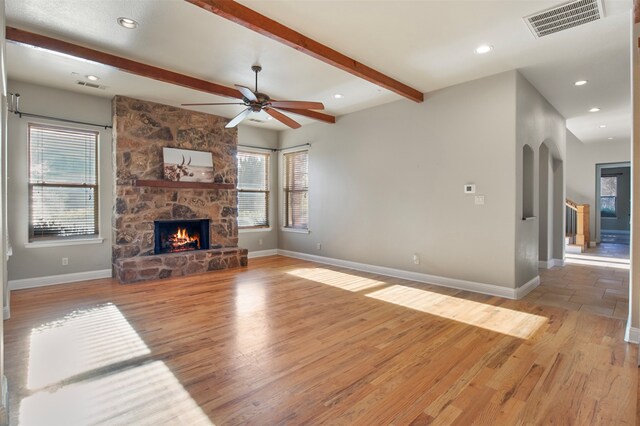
column 565, row 16
column 92, row 85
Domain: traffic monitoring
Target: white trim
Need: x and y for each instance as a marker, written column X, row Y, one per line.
column 60, row 243
column 58, row 279
column 301, row 147
column 523, row 290
column 250, row 230
column 592, row 244
column 262, row 253
column 632, row 334
column 6, row 310
column 295, row 230
column 5, row 396
column 558, row 262
column 490, row 289
column 545, row 264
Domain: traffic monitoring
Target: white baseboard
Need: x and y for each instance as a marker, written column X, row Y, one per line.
column 489, row 289
column 632, row 334
column 558, row 262
column 545, row 264
column 262, row 253
column 6, row 313
column 523, row 290
column 58, row 279
column 592, row 244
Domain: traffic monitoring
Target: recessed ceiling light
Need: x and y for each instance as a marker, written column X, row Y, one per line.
column 127, row 23
column 93, row 78
column 610, row 139
column 485, row 48
column 594, row 109
column 580, row 82
column 338, row 96
column 602, row 126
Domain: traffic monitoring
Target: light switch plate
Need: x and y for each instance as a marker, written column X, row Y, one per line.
column 470, row 188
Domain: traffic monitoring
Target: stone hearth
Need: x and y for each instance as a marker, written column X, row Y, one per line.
column 141, row 130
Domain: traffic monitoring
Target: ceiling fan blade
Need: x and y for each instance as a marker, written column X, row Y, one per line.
column 238, row 118
column 297, row 104
column 247, row 93
column 214, row 103
column 282, row 118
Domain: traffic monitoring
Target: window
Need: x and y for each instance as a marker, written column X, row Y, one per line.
column 63, row 184
column 253, row 189
column 608, row 195
column 296, row 187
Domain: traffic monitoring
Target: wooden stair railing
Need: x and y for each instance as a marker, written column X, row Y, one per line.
column 577, row 226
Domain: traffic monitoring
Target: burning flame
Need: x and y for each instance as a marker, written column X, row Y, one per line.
column 181, row 239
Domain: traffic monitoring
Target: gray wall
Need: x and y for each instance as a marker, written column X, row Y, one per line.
column 251, row 239
column 581, row 169
column 537, row 122
column 387, row 182
column 623, row 205
column 36, row 262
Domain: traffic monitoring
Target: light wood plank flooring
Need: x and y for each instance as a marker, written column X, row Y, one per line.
column 286, row 341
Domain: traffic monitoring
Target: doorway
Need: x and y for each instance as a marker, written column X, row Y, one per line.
column 613, row 209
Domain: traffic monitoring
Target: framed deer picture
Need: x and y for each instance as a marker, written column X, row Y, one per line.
column 187, row 166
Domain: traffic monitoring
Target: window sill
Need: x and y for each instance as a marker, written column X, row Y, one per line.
column 61, row 243
column 295, row 230
column 249, row 230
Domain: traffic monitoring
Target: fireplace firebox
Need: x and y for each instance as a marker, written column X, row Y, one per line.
column 175, row 236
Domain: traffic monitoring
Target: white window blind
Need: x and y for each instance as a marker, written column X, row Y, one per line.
column 296, row 187
column 253, row 189
column 63, row 182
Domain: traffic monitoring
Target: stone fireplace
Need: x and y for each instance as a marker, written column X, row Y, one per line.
column 147, row 243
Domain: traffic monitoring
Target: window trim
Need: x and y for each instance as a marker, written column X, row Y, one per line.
column 283, row 192
column 267, row 226
column 33, row 241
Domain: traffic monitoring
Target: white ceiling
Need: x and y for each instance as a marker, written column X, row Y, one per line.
column 425, row 44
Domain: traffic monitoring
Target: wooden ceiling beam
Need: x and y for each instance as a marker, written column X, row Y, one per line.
column 137, row 68
column 255, row 21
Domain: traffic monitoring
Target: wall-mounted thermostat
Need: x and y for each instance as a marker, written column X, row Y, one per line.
column 470, row 188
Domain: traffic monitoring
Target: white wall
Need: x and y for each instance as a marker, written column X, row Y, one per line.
column 37, row 262
column 387, row 182
column 250, row 239
column 537, row 122
column 581, row 169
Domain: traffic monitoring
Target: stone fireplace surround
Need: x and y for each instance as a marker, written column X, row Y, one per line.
column 141, row 130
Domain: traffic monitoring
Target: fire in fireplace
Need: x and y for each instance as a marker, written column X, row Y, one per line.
column 173, row 236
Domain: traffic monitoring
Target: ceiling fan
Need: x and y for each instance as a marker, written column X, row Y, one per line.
column 256, row 102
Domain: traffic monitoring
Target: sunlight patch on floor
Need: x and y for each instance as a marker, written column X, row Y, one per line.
column 607, row 262
column 337, row 279
column 501, row 320
column 147, row 394
column 82, row 341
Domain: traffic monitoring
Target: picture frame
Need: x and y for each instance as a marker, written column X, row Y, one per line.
column 185, row 165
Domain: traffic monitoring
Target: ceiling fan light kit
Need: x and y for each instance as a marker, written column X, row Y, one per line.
column 257, row 102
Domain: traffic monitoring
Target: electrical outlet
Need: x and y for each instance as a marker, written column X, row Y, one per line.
column 65, row 261
column 416, row 259
column 260, row 242
column 319, row 246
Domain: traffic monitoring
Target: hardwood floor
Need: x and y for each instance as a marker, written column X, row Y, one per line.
column 596, row 289
column 286, row 341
